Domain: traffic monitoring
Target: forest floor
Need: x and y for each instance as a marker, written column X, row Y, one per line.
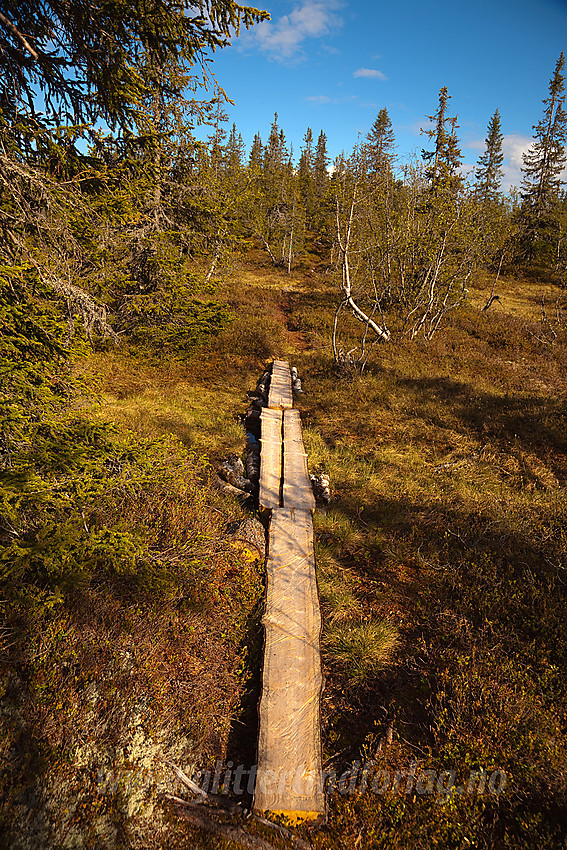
column 441, row 568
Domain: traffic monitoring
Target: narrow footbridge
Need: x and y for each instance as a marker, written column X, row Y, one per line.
column 289, row 778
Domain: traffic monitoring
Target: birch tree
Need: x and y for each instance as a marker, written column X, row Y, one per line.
column 405, row 256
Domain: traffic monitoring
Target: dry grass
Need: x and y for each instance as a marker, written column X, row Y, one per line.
column 103, row 684
column 517, row 297
column 198, row 405
column 361, row 649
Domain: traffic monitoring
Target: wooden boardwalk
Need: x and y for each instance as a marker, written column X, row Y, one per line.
column 280, row 395
column 271, row 458
column 289, row 778
column 297, row 491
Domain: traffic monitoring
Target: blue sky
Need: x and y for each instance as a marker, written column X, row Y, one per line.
column 333, row 64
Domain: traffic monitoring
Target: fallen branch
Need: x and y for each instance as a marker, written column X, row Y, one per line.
column 200, row 819
column 494, row 297
column 184, row 779
column 296, row 842
column 193, row 811
column 225, row 487
column 216, row 799
column 491, row 301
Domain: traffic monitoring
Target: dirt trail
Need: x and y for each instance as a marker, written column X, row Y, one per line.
column 283, row 309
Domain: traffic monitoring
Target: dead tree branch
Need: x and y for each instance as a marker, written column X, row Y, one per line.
column 200, row 817
column 21, row 38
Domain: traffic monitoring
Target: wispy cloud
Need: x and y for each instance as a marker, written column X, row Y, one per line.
column 318, row 98
column 338, row 101
column 476, row 144
column 371, row 73
column 514, row 145
column 283, row 38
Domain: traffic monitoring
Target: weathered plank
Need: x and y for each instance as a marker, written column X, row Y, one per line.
column 297, row 490
column 292, row 428
column 280, row 395
column 271, row 458
column 289, row 779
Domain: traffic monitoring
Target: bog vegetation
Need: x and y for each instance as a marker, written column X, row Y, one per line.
column 146, row 278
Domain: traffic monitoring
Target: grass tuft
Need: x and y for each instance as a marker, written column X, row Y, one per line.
column 363, row 649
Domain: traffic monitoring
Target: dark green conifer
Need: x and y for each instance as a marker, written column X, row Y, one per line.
column 545, row 159
column 305, row 173
column 234, row 150
column 87, row 61
column 443, row 163
column 543, row 166
column 381, row 145
column 320, row 167
column 256, row 157
column 489, row 170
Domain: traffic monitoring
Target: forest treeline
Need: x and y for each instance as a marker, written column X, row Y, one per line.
column 133, row 223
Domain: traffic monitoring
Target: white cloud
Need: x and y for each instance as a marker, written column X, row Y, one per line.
column 416, row 127
column 514, row 146
column 283, row 39
column 372, row 73
column 476, row 144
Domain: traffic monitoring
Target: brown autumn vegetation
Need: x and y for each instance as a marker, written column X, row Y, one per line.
column 447, row 462
column 440, row 567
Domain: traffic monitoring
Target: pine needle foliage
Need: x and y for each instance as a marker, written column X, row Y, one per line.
column 90, row 64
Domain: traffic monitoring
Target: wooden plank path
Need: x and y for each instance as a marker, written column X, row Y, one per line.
column 297, row 489
column 280, row 395
column 289, row 778
column 271, row 458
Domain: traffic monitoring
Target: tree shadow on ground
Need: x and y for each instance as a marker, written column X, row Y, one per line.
column 462, row 582
column 535, row 421
column 242, row 743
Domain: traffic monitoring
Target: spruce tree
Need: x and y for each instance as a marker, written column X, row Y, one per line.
column 489, row 170
column 233, row 151
column 87, row 59
column 275, row 155
column 543, row 165
column 272, row 208
column 321, row 220
column 256, row 157
column 380, row 145
column 320, row 166
column 305, row 173
column 444, row 162
column 545, row 160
